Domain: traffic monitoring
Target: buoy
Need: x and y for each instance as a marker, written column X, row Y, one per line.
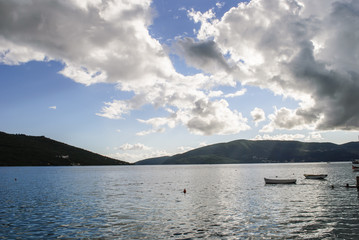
column 184, row 191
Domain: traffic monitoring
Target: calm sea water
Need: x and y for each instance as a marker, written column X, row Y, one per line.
column 147, row 202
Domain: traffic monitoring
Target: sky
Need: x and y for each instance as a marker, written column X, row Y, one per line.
column 134, row 79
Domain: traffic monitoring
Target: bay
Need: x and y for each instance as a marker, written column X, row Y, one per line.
column 147, row 202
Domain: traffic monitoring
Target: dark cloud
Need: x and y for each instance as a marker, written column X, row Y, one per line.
column 334, row 92
column 301, row 49
column 204, row 55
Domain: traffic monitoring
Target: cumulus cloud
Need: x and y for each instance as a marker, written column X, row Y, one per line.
column 300, row 49
column 220, row 4
column 183, row 149
column 144, row 133
column 311, row 136
column 140, row 155
column 207, row 20
column 303, row 49
column 236, row 94
column 258, row 115
column 204, row 118
column 208, row 118
column 314, row 136
column 133, row 147
column 139, row 151
column 115, row 109
column 91, row 38
column 215, row 94
column 281, row 137
column 108, row 41
column 285, row 118
column 204, row 55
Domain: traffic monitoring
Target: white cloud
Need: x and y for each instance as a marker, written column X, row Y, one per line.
column 133, row 147
column 282, row 137
column 310, row 137
column 108, row 41
column 258, row 115
column 285, row 118
column 115, row 109
column 52, row 107
column 236, row 94
column 207, row 20
column 90, row 37
column 183, row 149
column 215, row 94
column 135, row 152
column 136, row 156
column 300, row 49
column 205, row 118
column 158, row 122
column 314, row 136
column 209, row 118
column 13, row 54
column 220, row 4
column 144, row 133
column 306, row 50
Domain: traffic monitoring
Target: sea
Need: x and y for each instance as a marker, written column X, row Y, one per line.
column 148, row 202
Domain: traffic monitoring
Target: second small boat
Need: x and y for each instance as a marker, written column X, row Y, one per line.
column 279, row 181
column 315, row 176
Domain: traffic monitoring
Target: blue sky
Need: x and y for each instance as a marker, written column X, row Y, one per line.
column 140, row 79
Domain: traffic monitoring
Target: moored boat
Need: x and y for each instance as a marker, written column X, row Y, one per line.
column 280, row 180
column 315, row 176
column 355, row 168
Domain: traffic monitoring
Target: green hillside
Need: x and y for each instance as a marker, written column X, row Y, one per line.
column 246, row 151
column 22, row 150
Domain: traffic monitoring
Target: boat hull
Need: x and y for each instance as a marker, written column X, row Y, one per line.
column 315, row 176
column 279, row 181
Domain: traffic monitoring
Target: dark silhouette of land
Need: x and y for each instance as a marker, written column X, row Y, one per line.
column 22, row 150
column 247, row 151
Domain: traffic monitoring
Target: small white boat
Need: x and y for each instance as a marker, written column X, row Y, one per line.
column 280, row 180
column 315, row 176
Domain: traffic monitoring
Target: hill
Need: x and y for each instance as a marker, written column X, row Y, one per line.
column 247, row 151
column 22, row 150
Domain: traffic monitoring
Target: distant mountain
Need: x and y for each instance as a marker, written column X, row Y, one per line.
column 153, row 161
column 247, row 151
column 22, row 150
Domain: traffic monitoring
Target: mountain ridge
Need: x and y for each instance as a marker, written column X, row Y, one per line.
column 262, row 151
column 23, row 150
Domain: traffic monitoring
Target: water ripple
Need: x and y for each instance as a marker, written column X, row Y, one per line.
column 222, row 202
